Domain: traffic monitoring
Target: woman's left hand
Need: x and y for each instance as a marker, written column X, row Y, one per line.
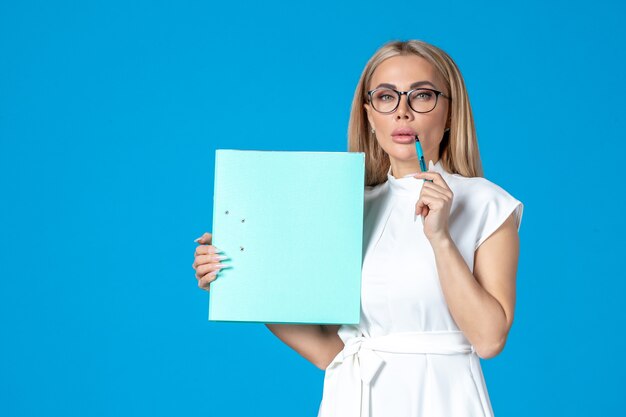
column 434, row 204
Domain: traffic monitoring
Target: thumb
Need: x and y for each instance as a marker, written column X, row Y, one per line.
column 205, row 239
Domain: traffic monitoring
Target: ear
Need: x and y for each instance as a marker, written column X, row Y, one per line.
column 368, row 110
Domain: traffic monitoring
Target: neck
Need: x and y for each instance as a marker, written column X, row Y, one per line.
column 400, row 169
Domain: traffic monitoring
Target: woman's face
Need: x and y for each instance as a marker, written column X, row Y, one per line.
column 400, row 72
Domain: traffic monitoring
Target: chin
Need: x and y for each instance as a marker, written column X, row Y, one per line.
column 402, row 152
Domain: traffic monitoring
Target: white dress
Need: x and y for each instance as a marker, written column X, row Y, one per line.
column 407, row 357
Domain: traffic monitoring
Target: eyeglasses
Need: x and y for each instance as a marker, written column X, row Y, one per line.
column 421, row 100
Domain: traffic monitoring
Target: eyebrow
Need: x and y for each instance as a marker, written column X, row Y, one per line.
column 414, row 85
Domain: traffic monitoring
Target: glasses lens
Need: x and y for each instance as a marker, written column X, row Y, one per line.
column 384, row 100
column 422, row 100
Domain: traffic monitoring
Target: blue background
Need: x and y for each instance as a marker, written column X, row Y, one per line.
column 109, row 118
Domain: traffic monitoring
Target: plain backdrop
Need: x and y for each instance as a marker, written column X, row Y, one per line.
column 110, row 114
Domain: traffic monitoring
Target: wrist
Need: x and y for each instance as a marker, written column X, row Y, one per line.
column 442, row 242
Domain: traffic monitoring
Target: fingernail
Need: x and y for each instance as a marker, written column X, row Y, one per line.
column 195, row 240
column 422, row 219
column 222, row 257
column 223, row 265
column 218, row 250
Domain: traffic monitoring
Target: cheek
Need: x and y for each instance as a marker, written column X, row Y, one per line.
column 381, row 122
column 391, row 148
column 445, row 112
column 437, row 121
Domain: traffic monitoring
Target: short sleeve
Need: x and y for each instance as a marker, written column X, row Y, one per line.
column 496, row 208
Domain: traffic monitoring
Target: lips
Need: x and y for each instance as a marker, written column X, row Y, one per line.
column 403, row 131
column 404, row 135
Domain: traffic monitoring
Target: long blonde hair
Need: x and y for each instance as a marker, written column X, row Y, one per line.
column 459, row 148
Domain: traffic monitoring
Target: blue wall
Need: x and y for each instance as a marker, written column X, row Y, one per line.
column 110, row 114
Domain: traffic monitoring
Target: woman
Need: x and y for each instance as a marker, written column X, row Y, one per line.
column 438, row 293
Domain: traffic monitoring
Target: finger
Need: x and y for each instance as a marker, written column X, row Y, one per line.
column 202, row 270
column 206, row 249
column 205, row 239
column 436, row 180
column 205, row 259
column 439, row 187
column 429, row 194
column 201, row 250
column 206, row 280
column 432, row 203
column 421, row 207
column 425, row 203
column 422, row 212
column 204, row 285
column 435, row 191
column 209, row 258
column 429, row 176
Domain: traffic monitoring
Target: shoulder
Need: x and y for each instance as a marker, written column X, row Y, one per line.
column 482, row 206
column 372, row 192
column 478, row 190
column 375, row 198
column 482, row 198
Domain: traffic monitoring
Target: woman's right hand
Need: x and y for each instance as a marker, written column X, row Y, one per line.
column 207, row 261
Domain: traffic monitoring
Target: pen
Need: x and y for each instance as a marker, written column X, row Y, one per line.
column 420, row 156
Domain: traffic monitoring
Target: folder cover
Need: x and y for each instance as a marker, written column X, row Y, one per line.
column 292, row 225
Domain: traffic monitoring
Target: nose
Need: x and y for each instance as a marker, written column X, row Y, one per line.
column 404, row 111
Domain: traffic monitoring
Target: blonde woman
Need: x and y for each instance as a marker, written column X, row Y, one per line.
column 441, row 249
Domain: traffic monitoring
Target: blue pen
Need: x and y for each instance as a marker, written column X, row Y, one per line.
column 420, row 156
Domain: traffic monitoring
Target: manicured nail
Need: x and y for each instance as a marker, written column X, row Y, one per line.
column 218, row 250
column 223, row 265
column 222, row 257
column 196, row 240
column 422, row 217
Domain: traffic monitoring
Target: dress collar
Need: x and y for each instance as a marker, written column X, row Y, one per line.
column 408, row 184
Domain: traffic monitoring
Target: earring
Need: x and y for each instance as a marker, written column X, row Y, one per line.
column 447, row 129
column 373, row 131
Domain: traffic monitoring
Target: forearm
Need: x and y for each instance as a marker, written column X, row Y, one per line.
column 477, row 313
column 311, row 341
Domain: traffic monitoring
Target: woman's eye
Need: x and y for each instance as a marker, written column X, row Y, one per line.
column 423, row 96
column 385, row 97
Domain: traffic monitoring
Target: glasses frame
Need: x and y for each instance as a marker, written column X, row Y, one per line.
column 406, row 93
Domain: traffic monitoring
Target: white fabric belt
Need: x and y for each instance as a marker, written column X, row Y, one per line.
column 348, row 377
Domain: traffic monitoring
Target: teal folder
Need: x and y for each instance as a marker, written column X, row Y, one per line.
column 292, row 224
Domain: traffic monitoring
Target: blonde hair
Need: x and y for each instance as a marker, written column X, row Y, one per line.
column 459, row 148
